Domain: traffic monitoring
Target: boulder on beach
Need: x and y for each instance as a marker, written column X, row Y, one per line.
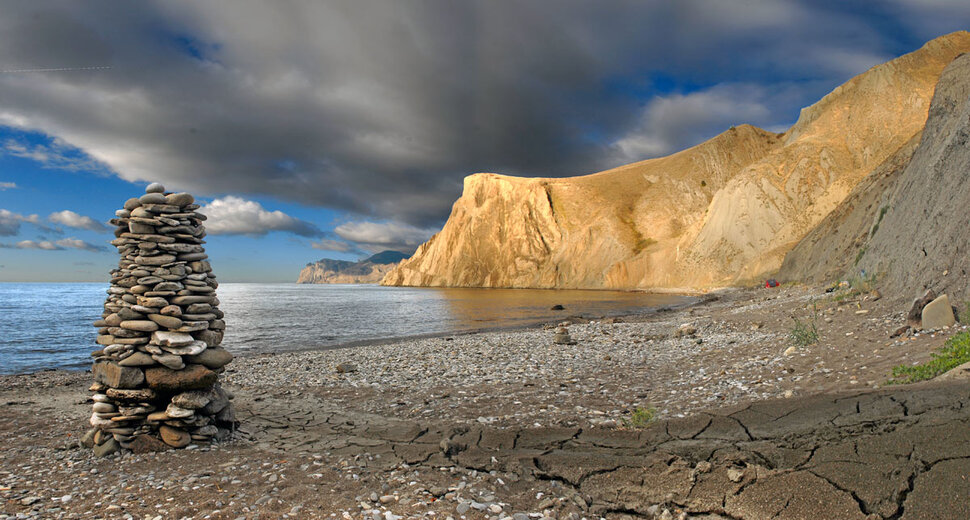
column 938, row 314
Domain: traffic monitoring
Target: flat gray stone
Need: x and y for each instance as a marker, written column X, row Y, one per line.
column 177, row 412
column 169, row 322
column 140, row 228
column 169, row 360
column 137, row 359
column 107, row 448
column 179, row 199
column 192, row 400
column 140, row 325
column 212, row 357
column 152, row 198
column 154, row 260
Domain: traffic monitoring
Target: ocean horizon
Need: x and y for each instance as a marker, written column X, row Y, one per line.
column 49, row 325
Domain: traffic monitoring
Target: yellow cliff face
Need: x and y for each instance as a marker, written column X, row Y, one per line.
column 715, row 214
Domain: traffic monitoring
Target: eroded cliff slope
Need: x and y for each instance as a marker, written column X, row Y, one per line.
column 832, row 250
column 715, row 214
column 923, row 238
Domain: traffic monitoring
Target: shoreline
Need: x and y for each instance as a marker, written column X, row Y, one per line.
column 526, row 324
column 501, row 420
column 649, row 340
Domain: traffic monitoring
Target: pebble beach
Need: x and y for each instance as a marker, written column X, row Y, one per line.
column 312, row 423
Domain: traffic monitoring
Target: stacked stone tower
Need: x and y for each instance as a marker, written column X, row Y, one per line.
column 156, row 375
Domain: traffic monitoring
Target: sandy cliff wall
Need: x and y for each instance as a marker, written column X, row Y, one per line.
column 720, row 212
column 583, row 231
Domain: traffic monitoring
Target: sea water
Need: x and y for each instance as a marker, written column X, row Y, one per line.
column 48, row 325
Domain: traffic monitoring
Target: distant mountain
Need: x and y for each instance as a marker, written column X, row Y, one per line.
column 368, row 270
column 723, row 212
column 387, row 257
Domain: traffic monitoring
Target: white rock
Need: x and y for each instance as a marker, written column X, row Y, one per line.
column 178, row 412
column 171, row 339
column 193, row 349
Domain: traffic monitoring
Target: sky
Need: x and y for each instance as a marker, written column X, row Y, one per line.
column 337, row 129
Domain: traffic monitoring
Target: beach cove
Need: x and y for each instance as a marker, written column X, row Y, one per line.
column 501, row 423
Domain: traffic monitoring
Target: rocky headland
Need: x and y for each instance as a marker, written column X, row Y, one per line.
column 723, row 212
column 369, row 270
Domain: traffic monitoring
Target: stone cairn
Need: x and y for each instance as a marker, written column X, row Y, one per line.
column 156, row 375
column 562, row 337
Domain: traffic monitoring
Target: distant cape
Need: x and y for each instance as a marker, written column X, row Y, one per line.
column 369, row 270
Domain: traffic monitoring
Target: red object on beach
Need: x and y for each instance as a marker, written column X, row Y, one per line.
column 771, row 283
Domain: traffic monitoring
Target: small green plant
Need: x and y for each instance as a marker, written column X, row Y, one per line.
column 953, row 353
column 805, row 333
column 882, row 213
column 859, row 255
column 858, row 285
column 843, row 296
column 640, row 418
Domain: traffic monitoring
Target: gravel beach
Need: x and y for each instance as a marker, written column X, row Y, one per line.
column 375, row 431
column 732, row 348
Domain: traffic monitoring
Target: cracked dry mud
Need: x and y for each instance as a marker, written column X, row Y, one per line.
column 896, row 453
column 901, row 452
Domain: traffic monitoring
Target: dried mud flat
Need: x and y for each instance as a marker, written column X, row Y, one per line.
column 507, row 424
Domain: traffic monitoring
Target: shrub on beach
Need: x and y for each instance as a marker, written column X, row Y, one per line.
column 955, row 352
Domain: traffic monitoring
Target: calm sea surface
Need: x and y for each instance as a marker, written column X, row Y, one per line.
column 49, row 325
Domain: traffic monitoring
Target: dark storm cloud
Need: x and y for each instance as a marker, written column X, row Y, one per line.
column 381, row 107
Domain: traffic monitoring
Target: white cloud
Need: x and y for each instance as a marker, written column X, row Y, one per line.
column 327, row 244
column 57, row 245
column 671, row 123
column 56, row 154
column 7, row 186
column 377, row 236
column 10, row 222
column 71, row 219
column 43, row 244
column 232, row 215
column 74, row 243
